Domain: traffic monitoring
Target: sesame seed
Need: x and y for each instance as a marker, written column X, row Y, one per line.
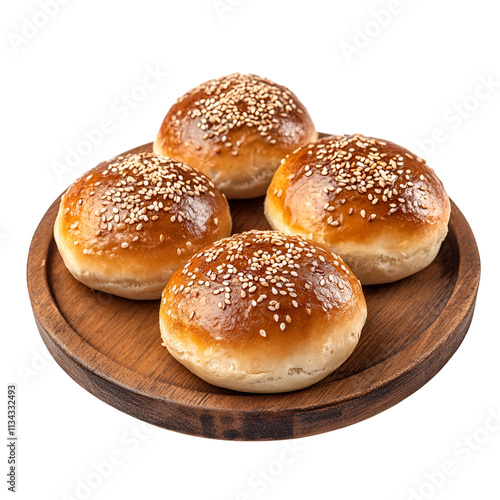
column 137, row 186
column 361, row 164
column 236, row 101
column 267, row 261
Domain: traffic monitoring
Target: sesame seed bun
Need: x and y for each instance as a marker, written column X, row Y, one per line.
column 126, row 225
column 262, row 312
column 371, row 201
column 236, row 129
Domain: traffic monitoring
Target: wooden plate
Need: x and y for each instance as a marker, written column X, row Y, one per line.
column 112, row 347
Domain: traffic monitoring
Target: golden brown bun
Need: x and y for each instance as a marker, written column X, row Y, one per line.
column 262, row 312
column 236, row 129
column 126, row 225
column 371, row 201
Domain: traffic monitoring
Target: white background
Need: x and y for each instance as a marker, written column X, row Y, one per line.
column 420, row 68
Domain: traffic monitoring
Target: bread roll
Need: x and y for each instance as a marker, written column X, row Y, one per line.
column 262, row 312
column 126, row 225
column 236, row 129
column 371, row 201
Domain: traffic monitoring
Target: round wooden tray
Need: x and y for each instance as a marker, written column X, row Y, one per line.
column 111, row 346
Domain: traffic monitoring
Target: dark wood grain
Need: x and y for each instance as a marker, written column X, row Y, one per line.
column 111, row 346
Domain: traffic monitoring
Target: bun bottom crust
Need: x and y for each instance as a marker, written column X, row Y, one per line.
column 218, row 366
column 375, row 264
column 243, row 189
column 128, row 287
column 379, row 268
